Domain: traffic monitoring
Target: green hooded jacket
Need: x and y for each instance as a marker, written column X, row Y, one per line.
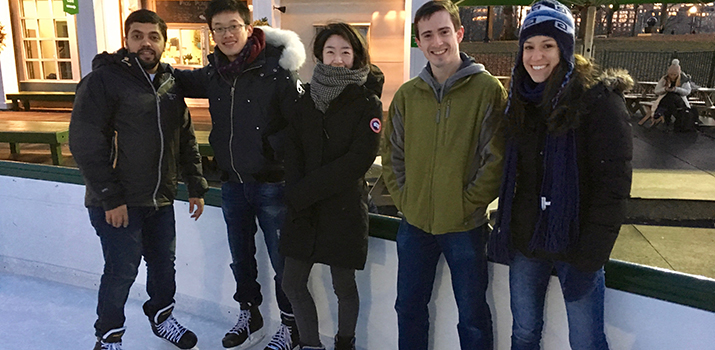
column 443, row 146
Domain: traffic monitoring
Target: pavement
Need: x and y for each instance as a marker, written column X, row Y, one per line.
column 667, row 166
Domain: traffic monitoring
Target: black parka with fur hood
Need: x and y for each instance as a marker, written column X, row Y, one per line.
column 250, row 111
column 604, row 153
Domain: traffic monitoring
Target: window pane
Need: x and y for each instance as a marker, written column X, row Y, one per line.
column 50, row 68
column 57, row 9
column 30, row 28
column 47, row 28
column 33, row 70
column 65, row 70
column 43, row 9
column 62, row 30
column 63, row 49
column 172, row 54
column 48, row 48
column 191, row 46
column 31, row 49
column 29, row 9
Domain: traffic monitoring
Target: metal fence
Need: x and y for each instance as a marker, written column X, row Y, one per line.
column 496, row 63
column 642, row 65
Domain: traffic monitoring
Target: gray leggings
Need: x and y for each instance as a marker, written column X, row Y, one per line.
column 295, row 286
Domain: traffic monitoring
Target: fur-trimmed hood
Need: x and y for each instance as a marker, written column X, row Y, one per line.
column 582, row 95
column 293, row 55
column 616, row 79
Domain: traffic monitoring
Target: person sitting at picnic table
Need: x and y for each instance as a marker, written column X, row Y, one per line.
column 672, row 90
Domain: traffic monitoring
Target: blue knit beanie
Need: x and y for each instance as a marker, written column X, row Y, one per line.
column 553, row 19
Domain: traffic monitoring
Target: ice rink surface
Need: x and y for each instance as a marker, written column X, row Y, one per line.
column 37, row 314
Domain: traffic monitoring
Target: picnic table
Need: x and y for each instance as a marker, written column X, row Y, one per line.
column 647, row 88
column 707, row 96
column 640, row 99
column 52, row 133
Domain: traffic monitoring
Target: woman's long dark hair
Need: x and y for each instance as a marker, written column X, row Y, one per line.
column 351, row 35
column 558, row 120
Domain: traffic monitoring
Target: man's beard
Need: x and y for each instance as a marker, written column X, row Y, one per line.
column 151, row 63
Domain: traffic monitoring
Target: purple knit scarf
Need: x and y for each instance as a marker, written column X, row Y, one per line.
column 558, row 225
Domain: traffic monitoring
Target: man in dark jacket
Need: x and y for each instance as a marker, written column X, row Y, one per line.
column 130, row 133
column 252, row 86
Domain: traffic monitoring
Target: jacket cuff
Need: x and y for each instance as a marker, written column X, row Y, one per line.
column 197, row 188
column 112, row 202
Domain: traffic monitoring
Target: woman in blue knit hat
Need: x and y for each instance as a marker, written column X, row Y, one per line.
column 567, row 176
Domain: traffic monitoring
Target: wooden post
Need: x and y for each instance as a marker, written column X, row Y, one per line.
column 490, row 24
column 588, row 36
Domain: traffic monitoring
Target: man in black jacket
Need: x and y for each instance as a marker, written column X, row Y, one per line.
column 130, row 134
column 252, row 86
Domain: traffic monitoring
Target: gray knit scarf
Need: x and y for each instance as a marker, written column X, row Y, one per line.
column 328, row 82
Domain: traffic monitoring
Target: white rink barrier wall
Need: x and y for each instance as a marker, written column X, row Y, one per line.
column 45, row 232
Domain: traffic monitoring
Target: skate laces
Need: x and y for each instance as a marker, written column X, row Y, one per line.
column 242, row 325
column 281, row 340
column 111, row 346
column 170, row 330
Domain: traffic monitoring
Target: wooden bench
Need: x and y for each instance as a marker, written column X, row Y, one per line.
column 51, row 133
column 27, row 96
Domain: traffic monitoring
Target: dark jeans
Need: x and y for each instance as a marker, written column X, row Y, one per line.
column 151, row 233
column 242, row 203
column 418, row 253
column 295, row 283
column 669, row 106
column 583, row 294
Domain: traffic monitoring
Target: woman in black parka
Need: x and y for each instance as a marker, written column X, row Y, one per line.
column 332, row 142
column 567, row 177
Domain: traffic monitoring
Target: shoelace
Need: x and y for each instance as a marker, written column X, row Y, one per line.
column 281, row 340
column 171, row 330
column 243, row 317
column 111, row 346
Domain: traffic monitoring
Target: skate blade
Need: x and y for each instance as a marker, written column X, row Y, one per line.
column 252, row 340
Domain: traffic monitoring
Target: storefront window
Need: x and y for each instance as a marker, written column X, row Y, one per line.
column 186, row 47
column 48, row 41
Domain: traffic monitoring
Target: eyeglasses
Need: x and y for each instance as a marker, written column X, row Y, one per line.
column 233, row 29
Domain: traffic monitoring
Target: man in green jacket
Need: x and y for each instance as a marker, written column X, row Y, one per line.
column 442, row 163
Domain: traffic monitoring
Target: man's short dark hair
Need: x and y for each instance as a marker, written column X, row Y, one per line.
column 361, row 57
column 144, row 16
column 428, row 9
column 218, row 6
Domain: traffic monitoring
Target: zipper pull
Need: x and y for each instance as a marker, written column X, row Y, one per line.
column 326, row 134
column 437, row 118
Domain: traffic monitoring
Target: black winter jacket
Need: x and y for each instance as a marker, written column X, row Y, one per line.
column 327, row 156
column 604, row 153
column 130, row 135
column 249, row 113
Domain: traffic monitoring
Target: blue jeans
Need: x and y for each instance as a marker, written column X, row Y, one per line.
column 418, row 253
column 583, row 294
column 151, row 233
column 242, row 203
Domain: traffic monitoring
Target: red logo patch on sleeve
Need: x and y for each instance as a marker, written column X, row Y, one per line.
column 375, row 125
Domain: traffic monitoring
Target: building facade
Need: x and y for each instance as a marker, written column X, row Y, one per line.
column 49, row 50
